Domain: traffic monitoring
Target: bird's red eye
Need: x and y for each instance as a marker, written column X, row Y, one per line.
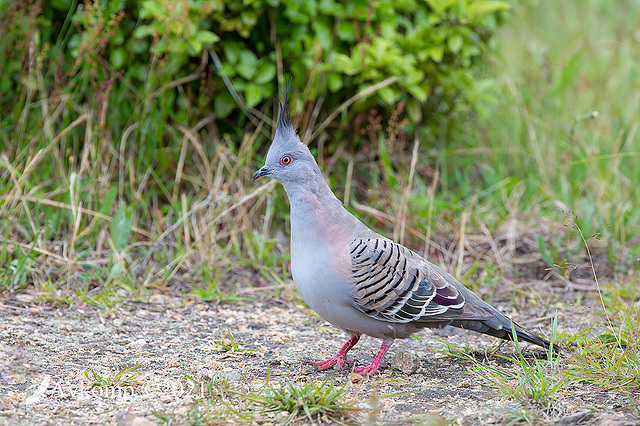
column 286, row 159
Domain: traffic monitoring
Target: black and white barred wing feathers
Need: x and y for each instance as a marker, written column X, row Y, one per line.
column 394, row 284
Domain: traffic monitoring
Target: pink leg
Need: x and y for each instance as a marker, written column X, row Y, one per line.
column 340, row 358
column 368, row 371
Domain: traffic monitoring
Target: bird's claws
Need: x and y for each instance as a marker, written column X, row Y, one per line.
column 336, row 360
column 371, row 368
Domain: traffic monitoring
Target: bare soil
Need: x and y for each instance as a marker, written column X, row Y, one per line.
column 46, row 350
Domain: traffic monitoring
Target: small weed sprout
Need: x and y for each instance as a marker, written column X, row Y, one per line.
column 121, row 378
column 228, row 343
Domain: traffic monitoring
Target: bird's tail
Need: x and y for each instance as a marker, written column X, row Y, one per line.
column 502, row 327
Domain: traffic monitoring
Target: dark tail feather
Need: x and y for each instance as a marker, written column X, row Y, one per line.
column 501, row 327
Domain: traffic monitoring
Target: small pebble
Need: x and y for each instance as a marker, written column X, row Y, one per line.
column 406, row 362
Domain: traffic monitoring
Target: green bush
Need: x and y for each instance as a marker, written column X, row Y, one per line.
column 150, row 58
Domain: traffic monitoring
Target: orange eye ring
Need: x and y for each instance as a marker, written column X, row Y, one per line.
column 286, row 159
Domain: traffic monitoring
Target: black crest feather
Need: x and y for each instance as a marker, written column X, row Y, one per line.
column 285, row 121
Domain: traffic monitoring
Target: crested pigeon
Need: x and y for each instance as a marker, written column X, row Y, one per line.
column 358, row 280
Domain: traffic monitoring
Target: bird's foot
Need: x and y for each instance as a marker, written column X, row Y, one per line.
column 338, row 359
column 377, row 361
column 371, row 368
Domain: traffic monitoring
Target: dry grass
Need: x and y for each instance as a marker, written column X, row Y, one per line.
column 535, row 205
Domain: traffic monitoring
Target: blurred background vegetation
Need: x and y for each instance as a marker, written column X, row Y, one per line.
column 495, row 136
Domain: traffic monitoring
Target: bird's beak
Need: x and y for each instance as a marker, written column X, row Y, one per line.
column 265, row 171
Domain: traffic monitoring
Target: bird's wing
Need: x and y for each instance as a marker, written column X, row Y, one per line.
column 393, row 283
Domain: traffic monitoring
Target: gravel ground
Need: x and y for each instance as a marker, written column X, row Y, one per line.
column 45, row 352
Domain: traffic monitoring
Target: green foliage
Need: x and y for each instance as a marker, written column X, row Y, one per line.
column 15, row 273
column 120, row 228
column 310, row 399
column 131, row 53
column 171, row 32
column 554, row 121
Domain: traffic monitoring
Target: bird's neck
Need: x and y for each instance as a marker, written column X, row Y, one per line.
column 317, row 215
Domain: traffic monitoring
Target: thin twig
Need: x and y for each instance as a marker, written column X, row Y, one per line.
column 251, row 113
column 176, row 83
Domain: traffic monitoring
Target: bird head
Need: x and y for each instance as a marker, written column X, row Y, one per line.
column 288, row 160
